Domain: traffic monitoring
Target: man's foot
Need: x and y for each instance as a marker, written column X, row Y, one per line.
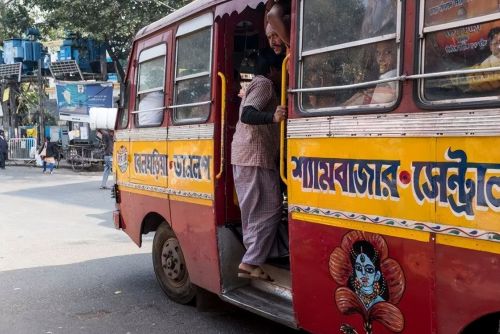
column 253, row 272
column 103, row 187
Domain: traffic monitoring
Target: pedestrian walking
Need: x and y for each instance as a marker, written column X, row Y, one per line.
column 3, row 149
column 107, row 140
column 48, row 153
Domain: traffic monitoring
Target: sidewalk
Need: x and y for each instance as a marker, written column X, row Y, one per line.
column 62, row 164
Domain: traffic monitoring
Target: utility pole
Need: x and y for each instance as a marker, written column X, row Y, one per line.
column 40, row 102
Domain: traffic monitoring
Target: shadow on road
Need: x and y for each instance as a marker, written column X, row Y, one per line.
column 110, row 295
column 76, row 193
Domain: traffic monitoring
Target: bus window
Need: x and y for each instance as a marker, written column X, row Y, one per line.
column 453, row 44
column 357, row 47
column 440, row 12
column 192, row 77
column 150, row 86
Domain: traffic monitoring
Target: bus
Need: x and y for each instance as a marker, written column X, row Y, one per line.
column 389, row 153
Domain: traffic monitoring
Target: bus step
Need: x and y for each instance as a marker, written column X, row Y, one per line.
column 235, row 228
column 270, row 306
column 281, row 284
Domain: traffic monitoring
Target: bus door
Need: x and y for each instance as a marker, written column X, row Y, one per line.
column 244, row 37
column 240, row 36
column 191, row 150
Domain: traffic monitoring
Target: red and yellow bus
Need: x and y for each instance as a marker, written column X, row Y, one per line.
column 390, row 154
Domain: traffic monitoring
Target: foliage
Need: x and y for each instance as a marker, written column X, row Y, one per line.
column 27, row 105
column 113, row 21
column 15, row 19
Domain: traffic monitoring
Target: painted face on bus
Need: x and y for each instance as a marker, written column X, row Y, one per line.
column 274, row 41
column 366, row 273
column 386, row 56
column 495, row 45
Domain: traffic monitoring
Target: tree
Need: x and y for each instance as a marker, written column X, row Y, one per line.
column 15, row 19
column 115, row 22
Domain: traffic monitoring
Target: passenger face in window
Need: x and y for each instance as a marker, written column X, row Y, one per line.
column 495, row 43
column 386, row 56
column 274, row 41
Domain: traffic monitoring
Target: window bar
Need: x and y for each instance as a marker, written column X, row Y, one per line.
column 357, row 85
column 449, row 73
column 195, row 104
column 399, row 78
column 146, row 110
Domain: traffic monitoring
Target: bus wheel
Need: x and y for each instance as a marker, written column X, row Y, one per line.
column 170, row 267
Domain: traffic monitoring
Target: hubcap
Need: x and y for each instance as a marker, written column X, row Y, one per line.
column 172, row 260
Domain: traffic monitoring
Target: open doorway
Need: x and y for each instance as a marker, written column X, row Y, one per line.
column 245, row 40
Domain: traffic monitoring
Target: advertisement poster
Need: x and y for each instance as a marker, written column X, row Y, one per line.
column 74, row 99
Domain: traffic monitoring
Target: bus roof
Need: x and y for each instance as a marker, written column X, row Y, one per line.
column 195, row 7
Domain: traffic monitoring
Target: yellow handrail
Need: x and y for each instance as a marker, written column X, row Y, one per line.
column 282, row 125
column 223, row 123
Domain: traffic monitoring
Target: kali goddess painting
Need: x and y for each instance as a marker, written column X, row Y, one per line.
column 370, row 283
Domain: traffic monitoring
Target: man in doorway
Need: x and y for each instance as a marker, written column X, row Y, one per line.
column 278, row 19
column 275, row 41
column 254, row 153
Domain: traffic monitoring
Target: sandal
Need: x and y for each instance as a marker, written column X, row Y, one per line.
column 256, row 273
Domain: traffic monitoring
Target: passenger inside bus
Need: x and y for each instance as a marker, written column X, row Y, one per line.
column 254, row 153
column 150, row 109
column 488, row 81
column 324, row 99
column 191, row 91
column 385, row 55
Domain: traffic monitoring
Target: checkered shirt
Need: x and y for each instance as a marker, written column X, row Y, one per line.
column 257, row 145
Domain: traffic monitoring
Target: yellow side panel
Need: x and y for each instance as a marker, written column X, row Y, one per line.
column 469, row 170
column 450, row 186
column 149, row 163
column 359, row 175
column 191, row 168
column 121, row 160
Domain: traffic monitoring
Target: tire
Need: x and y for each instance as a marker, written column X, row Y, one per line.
column 77, row 163
column 170, row 266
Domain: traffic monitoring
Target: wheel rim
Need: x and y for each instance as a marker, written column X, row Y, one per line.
column 172, row 262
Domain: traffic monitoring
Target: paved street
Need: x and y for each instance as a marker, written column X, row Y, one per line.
column 65, row 269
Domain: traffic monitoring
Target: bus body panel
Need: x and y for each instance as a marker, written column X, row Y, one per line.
column 138, row 204
column 194, row 226
column 466, row 285
column 414, row 195
column 191, row 184
column 313, row 245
